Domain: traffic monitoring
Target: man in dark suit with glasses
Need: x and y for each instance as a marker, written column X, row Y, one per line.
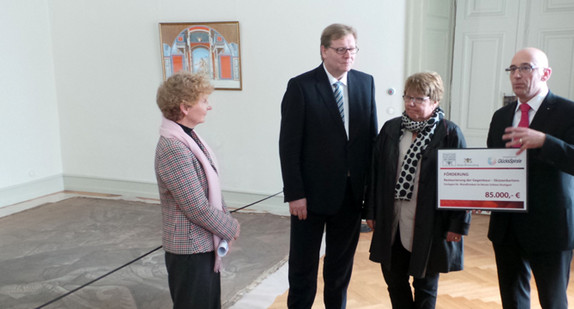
column 542, row 239
column 328, row 125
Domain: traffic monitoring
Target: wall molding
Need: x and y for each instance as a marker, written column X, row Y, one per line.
column 51, row 189
column 30, row 190
column 111, row 186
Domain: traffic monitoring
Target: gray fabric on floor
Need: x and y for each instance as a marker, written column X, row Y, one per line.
column 54, row 248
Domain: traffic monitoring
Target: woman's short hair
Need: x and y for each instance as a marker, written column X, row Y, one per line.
column 427, row 83
column 181, row 87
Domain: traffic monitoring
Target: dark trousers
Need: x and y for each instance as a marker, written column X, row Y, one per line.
column 341, row 237
column 192, row 282
column 551, row 273
column 397, row 279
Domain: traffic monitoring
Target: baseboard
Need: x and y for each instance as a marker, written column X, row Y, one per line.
column 111, row 186
column 30, row 190
column 29, row 195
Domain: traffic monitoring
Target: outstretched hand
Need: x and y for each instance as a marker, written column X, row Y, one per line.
column 525, row 138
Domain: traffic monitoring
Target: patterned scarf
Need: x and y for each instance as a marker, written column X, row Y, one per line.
column 425, row 129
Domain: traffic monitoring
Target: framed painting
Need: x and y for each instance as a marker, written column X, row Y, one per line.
column 211, row 48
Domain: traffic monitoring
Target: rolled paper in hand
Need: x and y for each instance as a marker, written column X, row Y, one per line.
column 222, row 248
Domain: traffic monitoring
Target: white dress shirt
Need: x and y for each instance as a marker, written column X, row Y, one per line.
column 343, row 80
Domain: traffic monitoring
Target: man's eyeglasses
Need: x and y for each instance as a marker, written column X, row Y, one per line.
column 417, row 100
column 525, row 68
column 344, row 50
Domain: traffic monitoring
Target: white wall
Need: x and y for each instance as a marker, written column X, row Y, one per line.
column 106, row 56
column 30, row 148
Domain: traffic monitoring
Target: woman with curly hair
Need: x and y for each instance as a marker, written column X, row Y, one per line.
column 196, row 221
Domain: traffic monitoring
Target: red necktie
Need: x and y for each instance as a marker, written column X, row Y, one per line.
column 524, row 119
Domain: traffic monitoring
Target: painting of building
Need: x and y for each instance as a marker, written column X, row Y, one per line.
column 201, row 48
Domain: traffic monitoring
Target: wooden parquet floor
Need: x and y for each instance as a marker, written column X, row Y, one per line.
column 476, row 287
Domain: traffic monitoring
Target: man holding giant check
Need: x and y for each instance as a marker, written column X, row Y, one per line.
column 539, row 240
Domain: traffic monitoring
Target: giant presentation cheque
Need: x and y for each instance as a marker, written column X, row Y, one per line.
column 485, row 179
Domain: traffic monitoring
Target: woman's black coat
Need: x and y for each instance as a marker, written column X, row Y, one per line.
column 431, row 253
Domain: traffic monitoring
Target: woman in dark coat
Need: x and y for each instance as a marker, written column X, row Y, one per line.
column 411, row 237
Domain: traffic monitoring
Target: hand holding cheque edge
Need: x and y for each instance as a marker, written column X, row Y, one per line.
column 525, row 137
